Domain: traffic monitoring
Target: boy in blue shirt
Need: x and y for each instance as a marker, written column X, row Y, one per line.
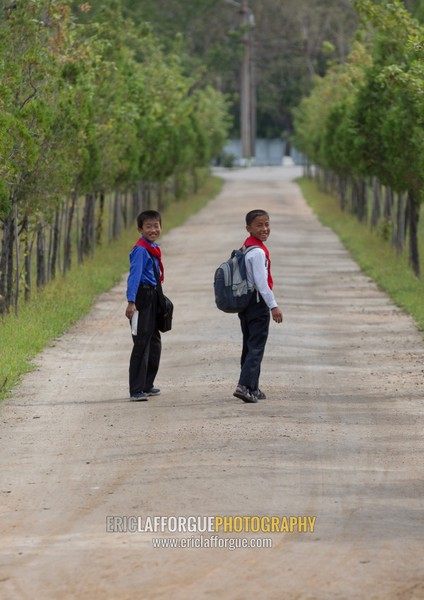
column 142, row 296
column 254, row 320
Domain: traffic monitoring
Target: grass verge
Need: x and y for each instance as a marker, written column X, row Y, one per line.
column 63, row 301
column 375, row 255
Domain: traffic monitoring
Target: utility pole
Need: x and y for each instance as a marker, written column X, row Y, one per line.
column 247, row 83
column 245, row 88
column 252, row 88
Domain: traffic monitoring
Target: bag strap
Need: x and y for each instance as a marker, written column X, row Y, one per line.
column 158, row 283
column 246, row 249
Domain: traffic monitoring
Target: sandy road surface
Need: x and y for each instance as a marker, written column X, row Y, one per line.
column 339, row 437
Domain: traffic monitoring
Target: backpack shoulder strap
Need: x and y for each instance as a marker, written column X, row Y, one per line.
column 245, row 249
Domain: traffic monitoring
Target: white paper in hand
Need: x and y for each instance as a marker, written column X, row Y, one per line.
column 134, row 323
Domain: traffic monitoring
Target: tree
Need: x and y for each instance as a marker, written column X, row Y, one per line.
column 292, row 41
column 389, row 112
column 365, row 119
column 32, row 103
column 88, row 107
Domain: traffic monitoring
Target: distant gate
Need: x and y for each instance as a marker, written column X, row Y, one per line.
column 268, row 152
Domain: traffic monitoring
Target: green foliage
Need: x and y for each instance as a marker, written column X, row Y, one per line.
column 89, row 105
column 102, row 101
column 38, row 146
column 291, row 42
column 418, row 10
column 4, row 200
column 388, row 108
column 366, row 118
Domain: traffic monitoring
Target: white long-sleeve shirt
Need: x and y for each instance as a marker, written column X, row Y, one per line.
column 257, row 275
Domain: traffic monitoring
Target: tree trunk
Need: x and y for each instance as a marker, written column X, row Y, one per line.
column 41, row 256
column 342, row 192
column 362, row 200
column 65, row 227
column 17, row 257
column 400, row 224
column 116, row 215
column 55, row 244
column 67, row 247
column 63, row 211
column 354, row 197
column 10, row 253
column 92, row 225
column 49, row 244
column 135, row 203
column 78, row 230
column 413, row 214
column 27, row 257
column 87, row 227
column 388, row 203
column 4, row 262
column 376, row 203
column 124, row 209
column 99, row 226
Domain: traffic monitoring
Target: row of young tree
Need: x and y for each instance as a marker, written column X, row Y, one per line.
column 93, row 114
column 363, row 123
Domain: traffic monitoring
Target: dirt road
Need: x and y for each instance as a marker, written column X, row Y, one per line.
column 340, row 436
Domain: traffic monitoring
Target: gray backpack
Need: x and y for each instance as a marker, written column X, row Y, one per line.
column 232, row 294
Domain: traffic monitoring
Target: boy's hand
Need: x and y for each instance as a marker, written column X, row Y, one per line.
column 277, row 314
column 130, row 310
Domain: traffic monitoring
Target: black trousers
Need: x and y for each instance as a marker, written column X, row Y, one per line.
column 254, row 323
column 145, row 356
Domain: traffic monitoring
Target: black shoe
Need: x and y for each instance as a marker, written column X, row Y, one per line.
column 138, row 397
column 244, row 394
column 152, row 392
column 259, row 394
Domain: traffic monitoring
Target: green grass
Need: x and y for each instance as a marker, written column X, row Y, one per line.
column 62, row 302
column 375, row 255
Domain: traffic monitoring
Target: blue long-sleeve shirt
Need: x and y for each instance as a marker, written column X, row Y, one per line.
column 141, row 270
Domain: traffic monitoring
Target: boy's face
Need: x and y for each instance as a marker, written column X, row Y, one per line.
column 260, row 228
column 151, row 229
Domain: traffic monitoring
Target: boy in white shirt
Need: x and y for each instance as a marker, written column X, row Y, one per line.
column 254, row 320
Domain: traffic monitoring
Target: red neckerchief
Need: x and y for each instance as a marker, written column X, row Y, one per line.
column 154, row 251
column 252, row 241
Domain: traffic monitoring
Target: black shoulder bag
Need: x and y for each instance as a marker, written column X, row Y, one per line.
column 165, row 308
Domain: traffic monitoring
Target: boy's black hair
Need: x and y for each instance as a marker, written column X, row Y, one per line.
column 146, row 215
column 255, row 213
